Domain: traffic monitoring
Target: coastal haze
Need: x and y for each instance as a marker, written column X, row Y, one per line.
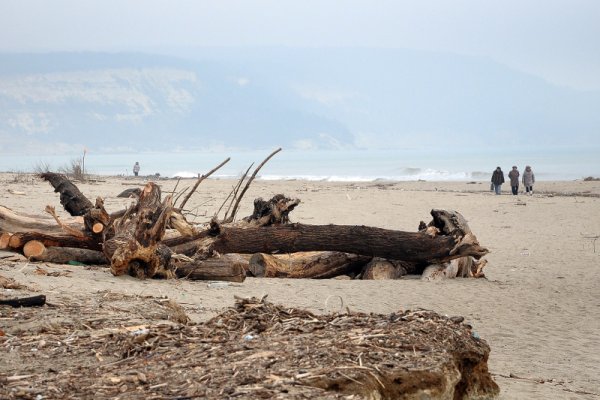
column 298, row 98
column 495, row 80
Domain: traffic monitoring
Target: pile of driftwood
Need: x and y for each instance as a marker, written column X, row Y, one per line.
column 153, row 239
column 97, row 348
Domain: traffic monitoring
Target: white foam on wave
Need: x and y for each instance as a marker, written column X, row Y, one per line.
column 185, row 174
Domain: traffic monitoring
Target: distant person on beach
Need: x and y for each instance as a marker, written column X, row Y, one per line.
column 498, row 179
column 136, row 168
column 528, row 180
column 514, row 180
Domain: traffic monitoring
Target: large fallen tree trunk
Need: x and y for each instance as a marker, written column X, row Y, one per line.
column 416, row 247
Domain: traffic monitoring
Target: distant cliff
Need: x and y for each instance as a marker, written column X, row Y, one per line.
column 296, row 98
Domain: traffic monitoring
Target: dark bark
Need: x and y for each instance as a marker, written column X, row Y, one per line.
column 136, row 247
column 34, row 301
column 74, row 202
column 369, row 241
column 215, row 269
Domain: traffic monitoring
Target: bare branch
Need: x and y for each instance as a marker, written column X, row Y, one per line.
column 200, row 179
column 237, row 203
column 235, row 191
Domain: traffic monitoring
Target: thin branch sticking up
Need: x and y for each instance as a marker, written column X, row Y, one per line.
column 234, row 193
column 200, row 179
column 237, row 203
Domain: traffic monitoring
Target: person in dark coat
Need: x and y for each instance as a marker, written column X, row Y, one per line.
column 514, row 180
column 498, row 180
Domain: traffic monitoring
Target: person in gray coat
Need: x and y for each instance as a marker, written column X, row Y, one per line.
column 514, row 180
column 528, row 180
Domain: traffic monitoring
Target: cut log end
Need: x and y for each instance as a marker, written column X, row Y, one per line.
column 33, row 248
column 15, row 242
column 97, row 227
column 4, row 240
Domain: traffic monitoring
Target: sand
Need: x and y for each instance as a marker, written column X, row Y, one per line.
column 538, row 309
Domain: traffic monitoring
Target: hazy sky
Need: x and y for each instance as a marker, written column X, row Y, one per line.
column 557, row 40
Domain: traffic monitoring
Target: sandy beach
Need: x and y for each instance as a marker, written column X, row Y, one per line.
column 538, row 308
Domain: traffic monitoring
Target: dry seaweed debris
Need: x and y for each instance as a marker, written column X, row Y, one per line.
column 256, row 350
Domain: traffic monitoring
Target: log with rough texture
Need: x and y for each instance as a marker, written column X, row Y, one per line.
column 415, row 247
column 74, row 202
column 214, row 269
column 136, row 247
column 36, row 251
column 318, row 264
column 272, row 212
column 18, row 240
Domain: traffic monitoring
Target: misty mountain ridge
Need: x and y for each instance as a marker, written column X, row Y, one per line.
column 268, row 97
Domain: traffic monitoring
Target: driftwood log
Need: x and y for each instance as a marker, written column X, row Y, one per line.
column 225, row 268
column 34, row 301
column 35, row 250
column 135, row 241
column 19, row 239
column 416, row 247
column 317, row 264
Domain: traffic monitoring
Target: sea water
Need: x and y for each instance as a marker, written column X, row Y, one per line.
column 548, row 163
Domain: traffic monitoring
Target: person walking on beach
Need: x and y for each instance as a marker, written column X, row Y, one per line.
column 528, row 180
column 136, row 168
column 498, row 179
column 514, row 180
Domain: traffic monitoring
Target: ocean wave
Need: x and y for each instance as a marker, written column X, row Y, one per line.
column 184, row 174
column 424, row 175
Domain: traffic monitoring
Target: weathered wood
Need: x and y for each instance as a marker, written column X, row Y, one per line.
column 11, row 221
column 136, row 247
column 18, row 240
column 273, row 211
column 96, row 219
column 320, row 264
column 381, row 269
column 200, row 179
column 214, row 269
column 239, row 199
column 464, row 267
column 375, row 242
column 36, row 251
column 34, row 301
column 73, row 201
